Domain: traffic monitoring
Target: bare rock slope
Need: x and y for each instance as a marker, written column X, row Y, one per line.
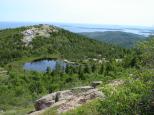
column 67, row 99
column 33, row 32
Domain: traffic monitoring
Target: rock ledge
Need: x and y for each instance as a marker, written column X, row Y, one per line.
column 67, row 99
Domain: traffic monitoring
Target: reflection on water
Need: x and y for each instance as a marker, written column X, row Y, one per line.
column 42, row 65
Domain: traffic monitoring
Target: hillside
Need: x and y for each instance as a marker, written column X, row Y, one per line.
column 125, row 76
column 44, row 40
column 20, row 88
column 130, row 92
column 123, row 39
column 145, row 50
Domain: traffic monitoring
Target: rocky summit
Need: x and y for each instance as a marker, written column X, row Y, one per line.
column 42, row 30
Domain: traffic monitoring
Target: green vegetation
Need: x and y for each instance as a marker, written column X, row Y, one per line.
column 64, row 44
column 145, row 51
column 96, row 61
column 132, row 97
column 123, row 39
column 135, row 95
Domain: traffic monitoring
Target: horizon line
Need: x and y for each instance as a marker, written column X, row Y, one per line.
column 49, row 22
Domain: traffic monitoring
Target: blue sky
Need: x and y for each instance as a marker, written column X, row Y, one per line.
column 120, row 12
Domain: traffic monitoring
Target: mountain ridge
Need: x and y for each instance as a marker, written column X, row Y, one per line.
column 123, row 39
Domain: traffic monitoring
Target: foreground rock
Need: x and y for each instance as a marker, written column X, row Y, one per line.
column 67, row 99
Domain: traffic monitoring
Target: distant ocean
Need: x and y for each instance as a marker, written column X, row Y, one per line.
column 146, row 31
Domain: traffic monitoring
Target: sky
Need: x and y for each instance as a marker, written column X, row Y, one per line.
column 117, row 12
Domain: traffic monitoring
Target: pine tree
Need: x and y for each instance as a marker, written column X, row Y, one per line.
column 94, row 68
column 87, row 68
column 48, row 70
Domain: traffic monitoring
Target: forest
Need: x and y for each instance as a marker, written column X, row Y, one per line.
column 123, row 39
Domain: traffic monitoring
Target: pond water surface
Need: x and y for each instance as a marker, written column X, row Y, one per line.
column 42, row 65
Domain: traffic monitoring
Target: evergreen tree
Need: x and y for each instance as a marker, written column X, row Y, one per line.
column 102, row 69
column 48, row 70
column 58, row 69
column 69, row 69
column 94, row 68
column 87, row 68
column 81, row 72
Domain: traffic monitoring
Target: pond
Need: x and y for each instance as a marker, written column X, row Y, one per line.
column 43, row 64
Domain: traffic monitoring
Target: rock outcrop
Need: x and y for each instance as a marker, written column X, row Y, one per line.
column 70, row 99
column 96, row 83
column 41, row 30
column 67, row 99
